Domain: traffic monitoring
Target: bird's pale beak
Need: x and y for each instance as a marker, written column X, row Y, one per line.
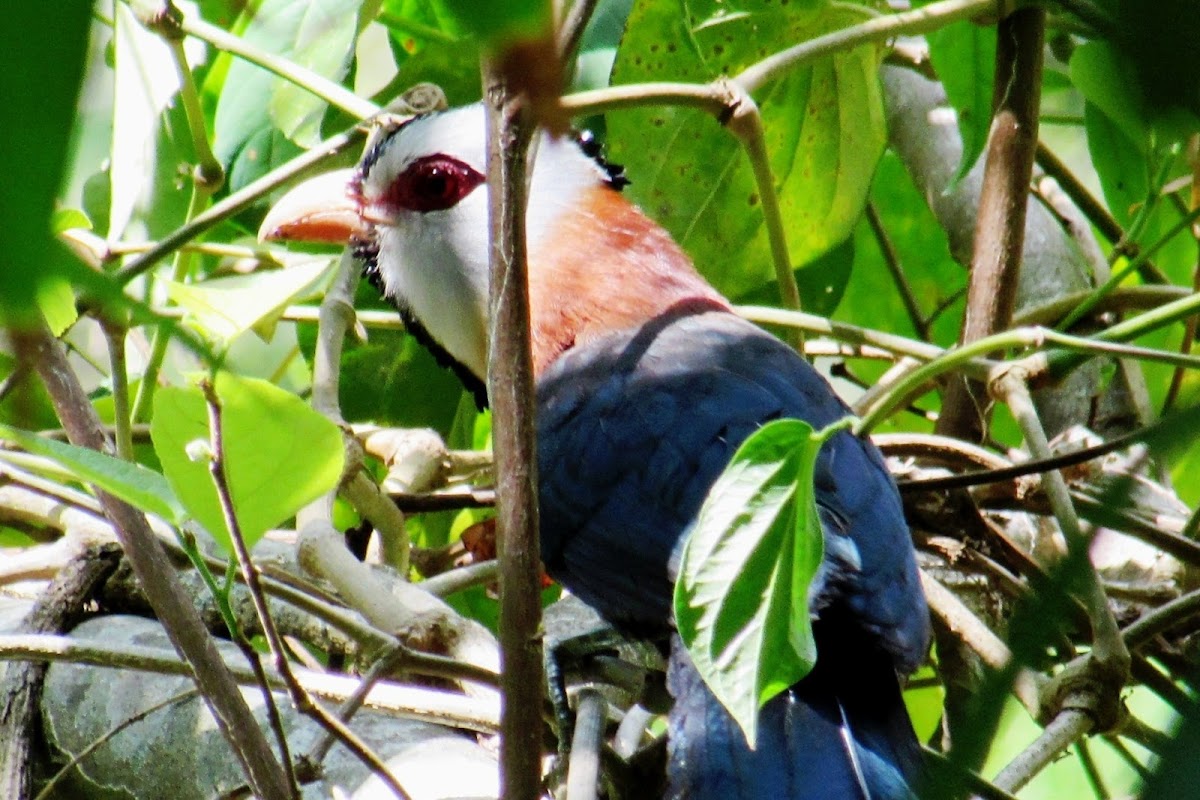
column 317, row 210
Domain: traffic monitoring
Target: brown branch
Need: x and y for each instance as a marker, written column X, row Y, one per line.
column 1000, row 227
column 216, row 468
column 37, row 346
column 301, row 699
column 510, row 389
column 58, row 608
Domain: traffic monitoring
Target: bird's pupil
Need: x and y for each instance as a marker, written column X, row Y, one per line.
column 437, row 183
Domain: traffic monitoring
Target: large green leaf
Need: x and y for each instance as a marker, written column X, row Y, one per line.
column 279, row 453
column 224, row 308
column 1104, row 77
column 131, row 482
column 741, row 598
column 1120, row 162
column 964, row 55
column 824, row 130
column 323, row 42
column 252, row 103
column 41, row 65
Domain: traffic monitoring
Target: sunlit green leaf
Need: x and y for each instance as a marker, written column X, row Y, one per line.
column 741, row 598
column 279, row 453
column 323, row 41
column 823, row 123
column 224, row 308
column 131, row 482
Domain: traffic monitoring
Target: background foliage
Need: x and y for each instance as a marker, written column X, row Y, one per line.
column 108, row 151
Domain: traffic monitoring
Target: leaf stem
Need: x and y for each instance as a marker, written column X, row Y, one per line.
column 306, row 79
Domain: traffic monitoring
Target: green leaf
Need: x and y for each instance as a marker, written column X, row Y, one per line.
column 1108, row 82
column 823, row 124
column 129, row 481
column 1120, row 162
column 41, row 65
column 224, row 308
column 66, row 219
column 964, row 56
column 741, row 599
column 56, row 300
column 279, row 453
column 497, row 23
column 253, row 103
column 324, row 43
column 822, row 283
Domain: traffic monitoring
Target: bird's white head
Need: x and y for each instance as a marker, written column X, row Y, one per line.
column 421, row 189
column 417, row 209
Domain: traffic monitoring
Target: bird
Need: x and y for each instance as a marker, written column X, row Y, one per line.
column 646, row 383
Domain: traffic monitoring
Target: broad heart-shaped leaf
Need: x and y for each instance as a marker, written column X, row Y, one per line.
column 224, row 308
column 129, row 481
column 823, row 124
column 964, row 55
column 741, row 598
column 279, row 453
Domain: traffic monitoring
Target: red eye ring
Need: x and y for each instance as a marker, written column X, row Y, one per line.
column 432, row 183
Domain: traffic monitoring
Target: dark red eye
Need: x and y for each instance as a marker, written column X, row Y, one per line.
column 432, row 183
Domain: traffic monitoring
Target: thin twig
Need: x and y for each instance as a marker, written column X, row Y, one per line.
column 1065, row 729
column 241, row 199
column 300, row 696
column 163, row 590
column 891, row 260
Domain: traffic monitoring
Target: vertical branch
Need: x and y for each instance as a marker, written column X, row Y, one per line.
column 1000, row 227
column 510, row 389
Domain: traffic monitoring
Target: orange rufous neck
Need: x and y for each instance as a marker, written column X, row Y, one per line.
column 607, row 267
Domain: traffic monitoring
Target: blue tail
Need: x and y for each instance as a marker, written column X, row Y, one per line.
column 842, row 733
